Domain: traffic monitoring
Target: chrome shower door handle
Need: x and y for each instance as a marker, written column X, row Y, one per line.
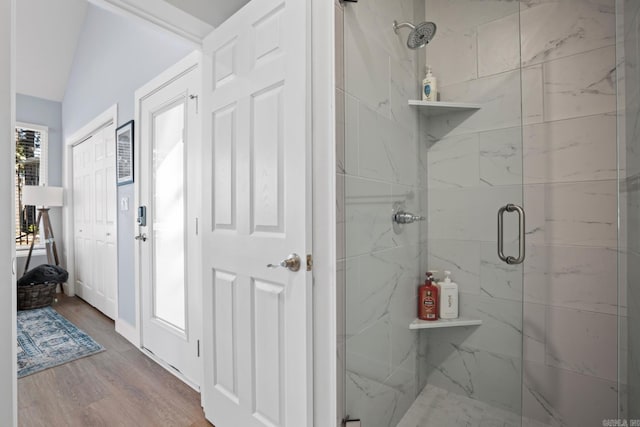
column 501, row 255
column 521, row 234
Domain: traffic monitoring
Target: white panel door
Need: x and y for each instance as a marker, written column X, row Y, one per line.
column 170, row 288
column 257, row 192
column 104, row 222
column 95, row 227
column 83, row 205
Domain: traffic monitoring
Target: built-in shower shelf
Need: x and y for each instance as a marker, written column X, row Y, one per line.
column 443, row 323
column 431, row 108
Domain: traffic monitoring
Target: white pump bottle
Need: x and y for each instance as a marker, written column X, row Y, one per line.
column 448, row 298
column 429, row 86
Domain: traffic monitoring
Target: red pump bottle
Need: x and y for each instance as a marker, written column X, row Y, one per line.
column 428, row 299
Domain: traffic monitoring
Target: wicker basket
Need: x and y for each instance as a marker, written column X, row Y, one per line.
column 36, row 296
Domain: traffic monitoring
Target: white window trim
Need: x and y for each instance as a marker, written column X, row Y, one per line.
column 21, row 251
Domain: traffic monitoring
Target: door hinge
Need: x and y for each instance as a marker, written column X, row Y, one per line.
column 198, row 348
column 196, row 226
column 309, row 262
column 197, row 99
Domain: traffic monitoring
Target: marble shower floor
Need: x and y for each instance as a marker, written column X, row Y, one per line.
column 436, row 407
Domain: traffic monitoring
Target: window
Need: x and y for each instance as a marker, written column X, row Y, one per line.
column 31, row 169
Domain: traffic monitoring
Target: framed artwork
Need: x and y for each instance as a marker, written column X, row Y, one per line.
column 124, row 153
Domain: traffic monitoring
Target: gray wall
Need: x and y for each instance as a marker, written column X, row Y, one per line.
column 48, row 113
column 115, row 56
column 631, row 184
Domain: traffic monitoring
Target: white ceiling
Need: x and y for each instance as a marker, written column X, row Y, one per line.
column 48, row 31
column 46, row 39
column 213, row 13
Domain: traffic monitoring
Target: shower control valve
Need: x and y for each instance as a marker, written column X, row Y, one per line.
column 403, row 217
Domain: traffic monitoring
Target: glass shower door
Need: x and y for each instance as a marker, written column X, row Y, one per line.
column 453, row 165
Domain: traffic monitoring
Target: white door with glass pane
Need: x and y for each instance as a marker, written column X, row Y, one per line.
column 95, row 223
column 256, row 211
column 169, row 281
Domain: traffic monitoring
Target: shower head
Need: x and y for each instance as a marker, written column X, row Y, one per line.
column 420, row 35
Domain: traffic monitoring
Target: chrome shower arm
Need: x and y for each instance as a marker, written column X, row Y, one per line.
column 397, row 26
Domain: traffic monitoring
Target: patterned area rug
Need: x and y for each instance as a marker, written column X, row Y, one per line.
column 46, row 339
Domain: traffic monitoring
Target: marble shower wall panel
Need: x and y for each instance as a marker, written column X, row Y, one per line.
column 582, row 342
column 379, row 165
column 559, row 397
column 558, row 29
column 532, row 94
column 631, row 186
column 500, row 98
column 551, row 150
column 549, row 65
column 578, row 213
column 572, row 277
column 580, row 85
column 474, row 166
column 571, row 198
column 497, row 53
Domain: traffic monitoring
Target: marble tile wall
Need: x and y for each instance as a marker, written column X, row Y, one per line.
column 629, row 91
column 378, row 165
column 474, row 166
column 550, row 64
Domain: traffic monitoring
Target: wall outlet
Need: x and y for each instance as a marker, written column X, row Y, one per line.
column 124, row 204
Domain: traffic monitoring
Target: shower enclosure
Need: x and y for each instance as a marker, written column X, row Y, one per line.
column 523, row 174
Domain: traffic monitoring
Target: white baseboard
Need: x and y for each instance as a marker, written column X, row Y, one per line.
column 129, row 332
column 69, row 290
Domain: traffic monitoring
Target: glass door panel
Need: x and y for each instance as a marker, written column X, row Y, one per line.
column 447, row 168
column 168, row 216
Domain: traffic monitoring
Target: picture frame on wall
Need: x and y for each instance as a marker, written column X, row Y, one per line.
column 124, row 153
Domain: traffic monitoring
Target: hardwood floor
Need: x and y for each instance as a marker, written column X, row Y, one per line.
column 118, row 387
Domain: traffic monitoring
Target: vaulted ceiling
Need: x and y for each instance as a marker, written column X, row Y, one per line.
column 46, row 38
column 48, row 30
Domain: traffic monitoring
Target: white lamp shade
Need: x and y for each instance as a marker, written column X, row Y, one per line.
column 34, row 195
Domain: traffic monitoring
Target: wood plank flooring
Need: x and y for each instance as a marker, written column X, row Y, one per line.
column 118, row 387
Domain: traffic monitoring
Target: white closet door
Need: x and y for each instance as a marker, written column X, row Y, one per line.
column 95, row 203
column 104, row 222
column 83, row 205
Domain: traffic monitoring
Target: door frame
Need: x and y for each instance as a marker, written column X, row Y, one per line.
column 174, row 72
column 108, row 117
column 8, row 352
column 324, row 228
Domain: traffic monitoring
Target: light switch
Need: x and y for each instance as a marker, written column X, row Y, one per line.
column 124, row 204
